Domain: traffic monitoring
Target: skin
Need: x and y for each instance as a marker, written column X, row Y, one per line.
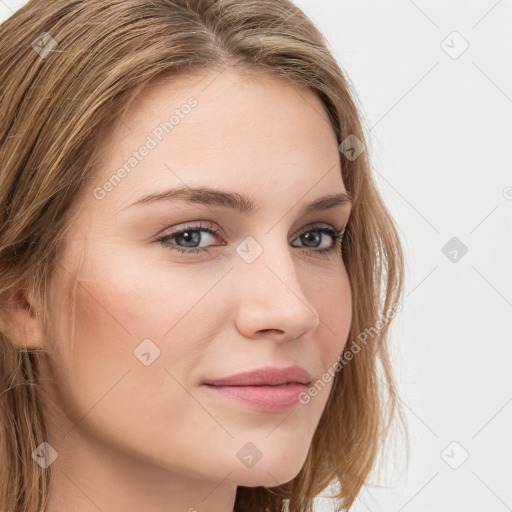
column 132, row 437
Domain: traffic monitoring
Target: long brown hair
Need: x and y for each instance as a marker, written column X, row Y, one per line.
column 57, row 102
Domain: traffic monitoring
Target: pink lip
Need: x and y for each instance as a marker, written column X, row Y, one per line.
column 267, row 389
column 264, row 398
column 267, row 376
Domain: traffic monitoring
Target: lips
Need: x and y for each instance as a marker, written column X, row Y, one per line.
column 267, row 376
column 266, row 389
column 262, row 398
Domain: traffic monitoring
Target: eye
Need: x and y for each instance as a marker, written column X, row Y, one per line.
column 188, row 238
column 313, row 236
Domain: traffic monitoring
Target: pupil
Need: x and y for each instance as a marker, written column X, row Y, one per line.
column 309, row 236
column 309, row 239
column 190, row 236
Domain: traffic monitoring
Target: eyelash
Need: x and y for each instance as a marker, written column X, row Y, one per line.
column 336, row 236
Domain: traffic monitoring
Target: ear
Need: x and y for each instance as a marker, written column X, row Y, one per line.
column 19, row 321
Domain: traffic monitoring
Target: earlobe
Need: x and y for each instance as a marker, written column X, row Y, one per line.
column 19, row 321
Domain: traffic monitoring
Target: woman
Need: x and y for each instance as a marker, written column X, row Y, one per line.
column 197, row 272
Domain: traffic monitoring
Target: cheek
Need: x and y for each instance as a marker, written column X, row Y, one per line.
column 335, row 310
column 332, row 299
column 127, row 316
column 100, row 377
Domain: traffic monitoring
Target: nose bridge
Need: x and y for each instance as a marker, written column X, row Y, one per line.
column 271, row 290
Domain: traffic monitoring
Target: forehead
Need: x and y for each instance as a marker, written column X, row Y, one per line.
column 250, row 130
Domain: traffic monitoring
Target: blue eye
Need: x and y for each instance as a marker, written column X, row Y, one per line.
column 189, row 234
column 187, row 238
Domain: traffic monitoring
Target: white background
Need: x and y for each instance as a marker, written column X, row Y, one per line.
column 441, row 144
column 440, row 140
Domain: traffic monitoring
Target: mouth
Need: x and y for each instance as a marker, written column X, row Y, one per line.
column 265, row 398
column 266, row 376
column 268, row 389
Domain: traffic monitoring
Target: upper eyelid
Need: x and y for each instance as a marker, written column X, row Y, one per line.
column 211, row 226
column 327, row 229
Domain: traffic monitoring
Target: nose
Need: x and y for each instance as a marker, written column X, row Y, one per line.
column 271, row 300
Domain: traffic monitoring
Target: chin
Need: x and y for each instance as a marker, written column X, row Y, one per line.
column 266, row 475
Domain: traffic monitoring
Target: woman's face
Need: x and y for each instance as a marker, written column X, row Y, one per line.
column 155, row 320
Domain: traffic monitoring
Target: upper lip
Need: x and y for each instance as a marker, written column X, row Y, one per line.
column 267, row 376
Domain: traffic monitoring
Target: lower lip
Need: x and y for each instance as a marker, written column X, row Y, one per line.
column 264, row 398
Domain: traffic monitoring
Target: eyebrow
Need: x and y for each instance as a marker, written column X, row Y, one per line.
column 240, row 202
